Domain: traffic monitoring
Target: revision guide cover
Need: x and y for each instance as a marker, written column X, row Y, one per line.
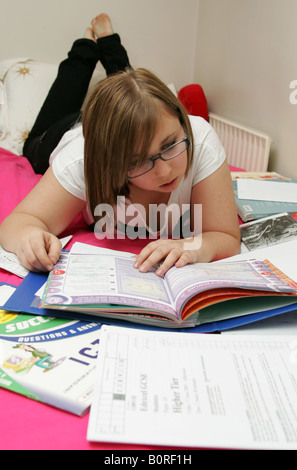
column 48, row 359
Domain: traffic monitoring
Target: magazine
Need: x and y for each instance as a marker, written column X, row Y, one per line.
column 268, row 231
column 259, row 175
column 104, row 282
column 48, row 359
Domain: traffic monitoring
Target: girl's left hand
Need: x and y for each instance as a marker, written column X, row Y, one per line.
column 173, row 252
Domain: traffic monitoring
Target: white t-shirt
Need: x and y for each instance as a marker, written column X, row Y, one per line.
column 67, row 162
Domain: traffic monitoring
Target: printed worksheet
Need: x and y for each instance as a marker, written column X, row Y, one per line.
column 195, row 390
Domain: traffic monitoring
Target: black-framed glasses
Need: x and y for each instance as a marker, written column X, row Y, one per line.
column 169, row 153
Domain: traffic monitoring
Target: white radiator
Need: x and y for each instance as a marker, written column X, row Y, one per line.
column 245, row 147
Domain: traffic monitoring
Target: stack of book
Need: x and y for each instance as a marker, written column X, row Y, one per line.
column 262, row 194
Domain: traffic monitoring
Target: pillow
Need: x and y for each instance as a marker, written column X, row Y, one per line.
column 194, row 100
column 25, row 84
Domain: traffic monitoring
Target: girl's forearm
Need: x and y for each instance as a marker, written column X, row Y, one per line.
column 217, row 245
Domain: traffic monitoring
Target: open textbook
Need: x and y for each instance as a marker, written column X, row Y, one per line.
column 49, row 360
column 103, row 282
column 195, row 390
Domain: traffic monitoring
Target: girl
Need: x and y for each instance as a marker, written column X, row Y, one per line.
column 135, row 141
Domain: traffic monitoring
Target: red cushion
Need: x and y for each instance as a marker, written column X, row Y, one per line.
column 194, row 100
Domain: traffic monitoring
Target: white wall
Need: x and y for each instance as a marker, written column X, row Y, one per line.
column 246, row 59
column 243, row 52
column 158, row 34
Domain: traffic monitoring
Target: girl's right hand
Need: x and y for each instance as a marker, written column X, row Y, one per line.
column 38, row 250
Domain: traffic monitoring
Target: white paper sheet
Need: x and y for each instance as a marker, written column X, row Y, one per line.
column 284, row 256
column 10, row 262
column 283, row 324
column 5, row 292
column 194, row 390
column 267, row 190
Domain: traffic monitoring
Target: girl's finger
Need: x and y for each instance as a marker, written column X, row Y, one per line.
column 28, row 259
column 159, row 253
column 170, row 260
column 54, row 249
column 144, row 254
column 188, row 257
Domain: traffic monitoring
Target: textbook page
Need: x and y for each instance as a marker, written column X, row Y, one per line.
column 101, row 278
column 195, row 390
column 203, row 277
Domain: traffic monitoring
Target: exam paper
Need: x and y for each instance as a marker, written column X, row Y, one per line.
column 10, row 262
column 260, row 190
column 195, row 390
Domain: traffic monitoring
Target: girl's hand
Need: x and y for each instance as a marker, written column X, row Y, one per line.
column 173, row 252
column 38, row 250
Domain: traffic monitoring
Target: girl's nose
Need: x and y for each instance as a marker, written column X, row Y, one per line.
column 162, row 167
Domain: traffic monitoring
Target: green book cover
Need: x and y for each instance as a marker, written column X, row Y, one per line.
column 50, row 360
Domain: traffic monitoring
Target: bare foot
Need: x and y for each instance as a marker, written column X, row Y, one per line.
column 89, row 34
column 102, row 26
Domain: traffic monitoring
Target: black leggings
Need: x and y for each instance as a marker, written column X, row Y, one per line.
column 62, row 106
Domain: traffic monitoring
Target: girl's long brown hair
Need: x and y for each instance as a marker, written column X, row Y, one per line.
column 120, row 116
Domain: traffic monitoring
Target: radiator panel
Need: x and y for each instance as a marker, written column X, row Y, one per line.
column 245, row 147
